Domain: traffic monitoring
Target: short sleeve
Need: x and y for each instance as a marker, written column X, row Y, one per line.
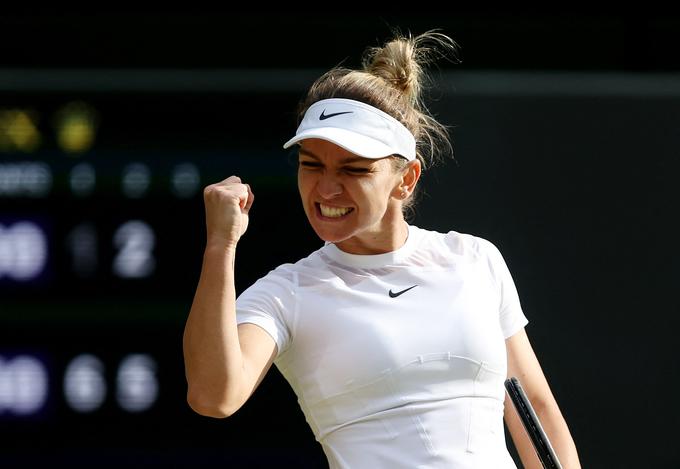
column 269, row 303
column 511, row 316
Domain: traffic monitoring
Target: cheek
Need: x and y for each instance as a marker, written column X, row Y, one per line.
column 385, row 186
column 377, row 192
column 302, row 182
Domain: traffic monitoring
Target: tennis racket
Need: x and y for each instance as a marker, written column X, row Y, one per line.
column 544, row 450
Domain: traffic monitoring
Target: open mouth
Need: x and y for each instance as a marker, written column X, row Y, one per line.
column 334, row 213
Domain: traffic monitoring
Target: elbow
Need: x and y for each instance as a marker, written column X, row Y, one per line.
column 548, row 411
column 210, row 410
column 208, row 406
column 544, row 404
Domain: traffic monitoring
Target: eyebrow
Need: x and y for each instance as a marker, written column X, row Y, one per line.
column 349, row 159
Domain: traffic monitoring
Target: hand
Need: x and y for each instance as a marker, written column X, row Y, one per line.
column 226, row 210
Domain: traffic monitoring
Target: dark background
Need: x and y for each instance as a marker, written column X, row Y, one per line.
column 566, row 143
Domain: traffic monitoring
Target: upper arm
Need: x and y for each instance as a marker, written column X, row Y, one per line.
column 259, row 350
column 263, row 312
column 523, row 364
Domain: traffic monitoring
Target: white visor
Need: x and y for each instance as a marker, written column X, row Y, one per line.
column 357, row 127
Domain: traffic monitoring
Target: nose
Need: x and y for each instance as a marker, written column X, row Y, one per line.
column 329, row 185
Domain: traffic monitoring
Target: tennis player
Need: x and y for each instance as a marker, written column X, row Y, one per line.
column 396, row 339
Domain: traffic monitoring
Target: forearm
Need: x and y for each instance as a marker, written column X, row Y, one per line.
column 212, row 353
column 555, row 428
column 558, row 433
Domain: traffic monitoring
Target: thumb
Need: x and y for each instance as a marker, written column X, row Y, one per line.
column 249, row 200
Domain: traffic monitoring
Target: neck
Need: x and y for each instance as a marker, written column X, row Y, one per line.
column 379, row 240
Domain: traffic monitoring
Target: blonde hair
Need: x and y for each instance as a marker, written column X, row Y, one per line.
column 393, row 80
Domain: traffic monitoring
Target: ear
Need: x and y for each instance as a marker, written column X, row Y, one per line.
column 408, row 179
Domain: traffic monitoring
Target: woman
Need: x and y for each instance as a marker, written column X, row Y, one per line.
column 396, row 340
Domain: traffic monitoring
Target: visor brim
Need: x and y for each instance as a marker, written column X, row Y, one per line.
column 353, row 142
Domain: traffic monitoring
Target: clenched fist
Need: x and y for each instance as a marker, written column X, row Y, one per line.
column 226, row 210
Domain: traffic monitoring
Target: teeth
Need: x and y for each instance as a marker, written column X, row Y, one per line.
column 333, row 211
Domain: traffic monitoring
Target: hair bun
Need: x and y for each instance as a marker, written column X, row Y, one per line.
column 400, row 61
column 395, row 63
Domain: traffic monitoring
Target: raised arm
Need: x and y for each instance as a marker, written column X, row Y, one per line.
column 523, row 364
column 223, row 363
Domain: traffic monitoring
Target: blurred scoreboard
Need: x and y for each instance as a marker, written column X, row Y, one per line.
column 101, row 241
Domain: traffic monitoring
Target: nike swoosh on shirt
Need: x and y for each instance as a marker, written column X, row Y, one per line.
column 394, row 295
column 325, row 116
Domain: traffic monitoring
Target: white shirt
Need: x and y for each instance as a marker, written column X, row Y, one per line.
column 398, row 359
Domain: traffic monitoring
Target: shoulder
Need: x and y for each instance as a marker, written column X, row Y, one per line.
column 466, row 248
column 456, row 243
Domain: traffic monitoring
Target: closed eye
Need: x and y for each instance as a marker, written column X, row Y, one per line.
column 309, row 164
column 351, row 169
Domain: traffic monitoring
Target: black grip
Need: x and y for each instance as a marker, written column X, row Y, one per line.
column 544, row 450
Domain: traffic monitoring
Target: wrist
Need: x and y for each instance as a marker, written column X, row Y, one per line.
column 218, row 244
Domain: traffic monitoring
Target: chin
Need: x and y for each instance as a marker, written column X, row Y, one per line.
column 330, row 236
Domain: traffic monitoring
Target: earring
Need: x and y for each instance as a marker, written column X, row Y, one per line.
column 404, row 194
